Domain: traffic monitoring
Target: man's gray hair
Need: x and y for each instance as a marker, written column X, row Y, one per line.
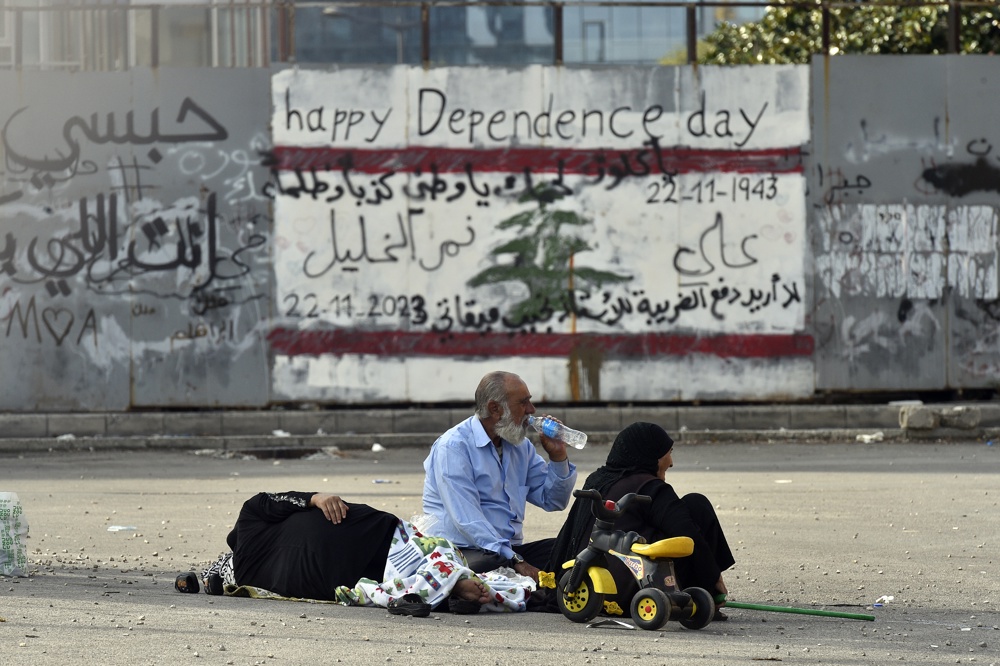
column 491, row 387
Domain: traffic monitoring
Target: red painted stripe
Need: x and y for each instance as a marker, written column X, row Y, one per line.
column 292, row 342
column 590, row 162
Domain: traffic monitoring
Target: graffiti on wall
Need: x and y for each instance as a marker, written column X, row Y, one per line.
column 108, row 242
column 917, row 251
column 129, row 230
column 630, row 234
column 904, row 229
column 417, row 217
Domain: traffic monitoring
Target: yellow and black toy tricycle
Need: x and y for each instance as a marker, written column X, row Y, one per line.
column 581, row 591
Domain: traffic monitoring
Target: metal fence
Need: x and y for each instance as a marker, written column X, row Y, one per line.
column 106, row 36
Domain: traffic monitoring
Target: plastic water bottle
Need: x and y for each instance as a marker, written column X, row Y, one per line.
column 556, row 430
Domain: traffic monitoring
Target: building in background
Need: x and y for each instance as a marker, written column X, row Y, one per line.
column 633, row 32
column 108, row 35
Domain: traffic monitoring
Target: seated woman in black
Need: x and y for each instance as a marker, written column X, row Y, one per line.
column 637, row 463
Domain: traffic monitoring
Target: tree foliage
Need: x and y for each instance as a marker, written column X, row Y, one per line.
column 793, row 33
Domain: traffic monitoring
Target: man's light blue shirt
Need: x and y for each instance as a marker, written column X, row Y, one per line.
column 478, row 500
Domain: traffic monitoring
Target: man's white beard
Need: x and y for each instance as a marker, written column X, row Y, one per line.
column 507, row 429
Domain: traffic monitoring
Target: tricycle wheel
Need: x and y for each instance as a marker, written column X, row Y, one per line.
column 702, row 608
column 583, row 604
column 650, row 608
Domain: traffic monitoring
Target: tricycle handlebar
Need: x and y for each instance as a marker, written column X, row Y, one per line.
column 600, row 508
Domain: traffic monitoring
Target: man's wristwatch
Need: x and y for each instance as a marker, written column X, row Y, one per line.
column 514, row 561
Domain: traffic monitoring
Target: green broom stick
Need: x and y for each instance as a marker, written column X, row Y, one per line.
column 800, row 611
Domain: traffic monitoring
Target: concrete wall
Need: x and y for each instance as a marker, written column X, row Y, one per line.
column 904, row 182
column 136, row 239
column 194, row 238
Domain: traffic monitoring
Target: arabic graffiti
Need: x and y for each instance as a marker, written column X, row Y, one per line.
column 235, row 170
column 41, row 171
column 220, row 333
column 609, row 308
column 837, row 187
column 364, row 178
column 703, row 264
column 965, row 178
column 107, row 254
column 401, row 238
column 123, row 221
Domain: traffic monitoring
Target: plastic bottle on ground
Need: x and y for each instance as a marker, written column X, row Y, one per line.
column 555, row 430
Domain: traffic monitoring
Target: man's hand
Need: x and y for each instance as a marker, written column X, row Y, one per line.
column 525, row 569
column 334, row 508
column 554, row 447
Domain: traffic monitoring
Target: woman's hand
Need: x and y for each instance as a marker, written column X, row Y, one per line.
column 334, row 508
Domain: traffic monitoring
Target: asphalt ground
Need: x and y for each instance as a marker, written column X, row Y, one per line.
column 828, row 526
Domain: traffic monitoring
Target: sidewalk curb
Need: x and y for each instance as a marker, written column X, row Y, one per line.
column 231, row 431
column 299, row 445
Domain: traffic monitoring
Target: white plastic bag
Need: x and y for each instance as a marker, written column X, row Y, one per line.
column 13, row 536
column 425, row 523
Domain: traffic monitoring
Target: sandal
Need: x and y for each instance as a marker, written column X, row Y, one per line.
column 187, row 582
column 409, row 604
column 214, row 584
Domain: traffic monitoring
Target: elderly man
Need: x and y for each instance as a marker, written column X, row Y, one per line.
column 481, row 473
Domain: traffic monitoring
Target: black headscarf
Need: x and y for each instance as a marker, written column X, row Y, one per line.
column 637, row 450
